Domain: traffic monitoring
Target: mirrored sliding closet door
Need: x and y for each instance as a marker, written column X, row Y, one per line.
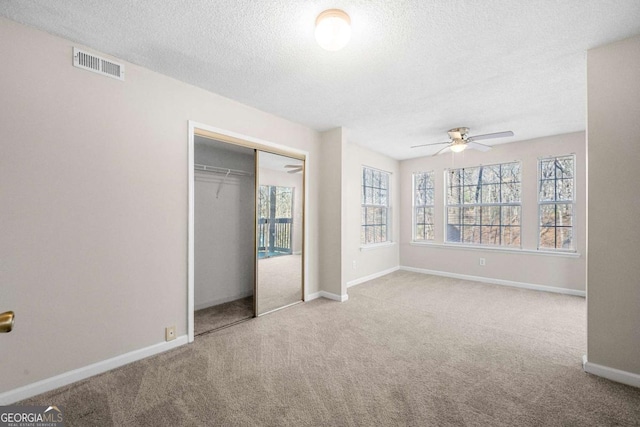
column 279, row 231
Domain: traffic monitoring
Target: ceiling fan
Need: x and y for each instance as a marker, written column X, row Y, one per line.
column 294, row 168
column 460, row 140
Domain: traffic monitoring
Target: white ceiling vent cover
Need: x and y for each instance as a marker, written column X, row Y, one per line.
column 89, row 61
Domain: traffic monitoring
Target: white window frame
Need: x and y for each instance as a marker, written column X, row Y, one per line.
column 364, row 206
column 461, row 205
column 572, row 202
column 423, row 206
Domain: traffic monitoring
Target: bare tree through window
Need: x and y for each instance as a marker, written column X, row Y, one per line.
column 556, row 202
column 484, row 205
column 375, row 206
column 423, row 203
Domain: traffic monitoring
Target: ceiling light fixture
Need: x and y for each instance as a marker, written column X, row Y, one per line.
column 333, row 29
column 458, row 146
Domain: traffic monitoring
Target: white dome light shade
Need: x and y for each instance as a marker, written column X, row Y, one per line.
column 458, row 148
column 333, row 29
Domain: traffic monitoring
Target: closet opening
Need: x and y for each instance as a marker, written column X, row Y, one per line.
column 224, row 185
column 246, row 236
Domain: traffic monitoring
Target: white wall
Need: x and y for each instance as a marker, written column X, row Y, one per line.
column 372, row 260
column 224, row 216
column 613, row 298
column 556, row 271
column 93, row 183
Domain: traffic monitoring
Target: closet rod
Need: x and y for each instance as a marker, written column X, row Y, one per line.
column 215, row 169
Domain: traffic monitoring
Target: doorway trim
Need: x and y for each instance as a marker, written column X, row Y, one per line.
column 250, row 142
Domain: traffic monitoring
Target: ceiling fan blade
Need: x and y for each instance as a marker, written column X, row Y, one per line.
column 491, row 136
column 440, row 151
column 294, row 170
column 478, row 146
column 426, row 145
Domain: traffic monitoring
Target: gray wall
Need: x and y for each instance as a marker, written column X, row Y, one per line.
column 381, row 258
column 331, row 212
column 533, row 268
column 94, row 190
column 613, row 289
column 341, row 213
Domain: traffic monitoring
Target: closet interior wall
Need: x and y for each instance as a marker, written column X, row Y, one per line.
column 224, row 217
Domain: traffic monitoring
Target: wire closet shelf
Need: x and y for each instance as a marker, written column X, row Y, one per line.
column 216, row 169
column 226, row 172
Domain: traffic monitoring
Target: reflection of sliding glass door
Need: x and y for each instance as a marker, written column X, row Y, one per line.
column 275, row 221
column 279, row 231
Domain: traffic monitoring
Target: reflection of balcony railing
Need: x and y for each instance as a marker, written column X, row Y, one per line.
column 274, row 236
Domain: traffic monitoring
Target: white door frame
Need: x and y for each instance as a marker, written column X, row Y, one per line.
column 191, row 220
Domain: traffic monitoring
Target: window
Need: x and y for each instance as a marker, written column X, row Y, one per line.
column 423, row 196
column 556, row 202
column 375, row 207
column 483, row 205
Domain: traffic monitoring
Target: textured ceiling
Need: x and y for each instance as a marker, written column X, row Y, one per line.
column 412, row 70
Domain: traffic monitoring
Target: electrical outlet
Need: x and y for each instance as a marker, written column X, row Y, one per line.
column 483, row 261
column 354, row 265
column 170, row 333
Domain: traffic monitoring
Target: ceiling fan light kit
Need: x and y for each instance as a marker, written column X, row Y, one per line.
column 458, row 147
column 459, row 140
column 333, row 29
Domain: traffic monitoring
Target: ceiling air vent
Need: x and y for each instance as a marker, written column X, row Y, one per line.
column 97, row 64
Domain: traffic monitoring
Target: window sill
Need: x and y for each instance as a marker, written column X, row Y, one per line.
column 494, row 249
column 376, row 246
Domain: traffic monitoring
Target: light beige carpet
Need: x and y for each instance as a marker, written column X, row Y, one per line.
column 221, row 315
column 405, row 349
column 279, row 282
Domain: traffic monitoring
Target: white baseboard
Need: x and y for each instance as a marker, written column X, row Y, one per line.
column 335, row 297
column 501, row 282
column 328, row 295
column 311, row 297
column 39, row 387
column 371, row 276
column 612, row 374
column 218, row 301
